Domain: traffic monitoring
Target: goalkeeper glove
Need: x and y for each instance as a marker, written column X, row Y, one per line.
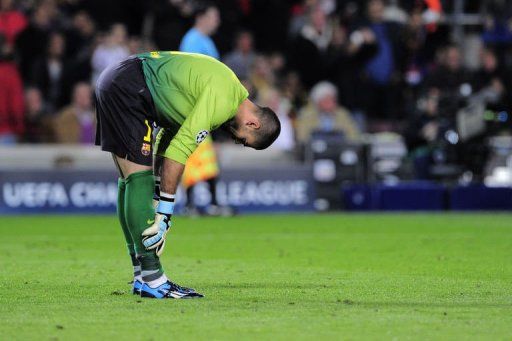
column 154, row 236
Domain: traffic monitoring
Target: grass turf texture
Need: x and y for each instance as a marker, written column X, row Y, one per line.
column 281, row 277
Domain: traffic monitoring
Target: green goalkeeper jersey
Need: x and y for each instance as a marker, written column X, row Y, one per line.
column 193, row 95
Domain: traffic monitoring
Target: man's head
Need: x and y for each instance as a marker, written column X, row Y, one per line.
column 452, row 58
column 82, row 96
column 56, row 45
column 324, row 96
column 375, row 10
column 118, row 34
column 488, row 60
column 244, row 42
column 207, row 18
column 254, row 126
column 33, row 101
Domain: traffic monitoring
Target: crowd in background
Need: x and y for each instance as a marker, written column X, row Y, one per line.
column 322, row 65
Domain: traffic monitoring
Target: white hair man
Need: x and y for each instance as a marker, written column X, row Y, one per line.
column 325, row 114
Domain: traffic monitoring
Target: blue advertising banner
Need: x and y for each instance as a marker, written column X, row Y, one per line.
column 247, row 190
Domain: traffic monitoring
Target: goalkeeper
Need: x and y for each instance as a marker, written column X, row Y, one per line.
column 188, row 95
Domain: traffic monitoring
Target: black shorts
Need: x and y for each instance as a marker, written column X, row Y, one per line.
column 125, row 112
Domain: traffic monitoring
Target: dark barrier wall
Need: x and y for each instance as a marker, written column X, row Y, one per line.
column 248, row 190
column 425, row 196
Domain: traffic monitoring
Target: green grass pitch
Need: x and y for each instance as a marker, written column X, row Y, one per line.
column 376, row 276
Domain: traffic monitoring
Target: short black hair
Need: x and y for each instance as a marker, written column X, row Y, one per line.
column 202, row 7
column 269, row 130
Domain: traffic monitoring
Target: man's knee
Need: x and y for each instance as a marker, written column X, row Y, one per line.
column 128, row 167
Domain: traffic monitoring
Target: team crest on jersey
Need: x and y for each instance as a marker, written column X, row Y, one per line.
column 201, row 136
column 146, row 149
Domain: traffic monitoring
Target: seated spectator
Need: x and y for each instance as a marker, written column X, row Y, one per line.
column 76, row 122
column 293, row 90
column 242, row 57
column 114, row 49
column 51, row 73
column 37, row 119
column 261, row 75
column 325, row 114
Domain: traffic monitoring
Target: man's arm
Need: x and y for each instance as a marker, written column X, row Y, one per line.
column 169, row 172
column 170, row 177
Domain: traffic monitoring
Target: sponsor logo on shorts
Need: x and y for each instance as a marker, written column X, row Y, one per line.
column 146, row 149
column 201, row 136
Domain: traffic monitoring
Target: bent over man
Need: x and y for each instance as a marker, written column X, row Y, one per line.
column 187, row 95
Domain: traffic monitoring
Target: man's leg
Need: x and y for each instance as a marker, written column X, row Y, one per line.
column 137, row 279
column 139, row 214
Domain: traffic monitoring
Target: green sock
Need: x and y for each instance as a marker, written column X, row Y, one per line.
column 140, row 214
column 121, row 186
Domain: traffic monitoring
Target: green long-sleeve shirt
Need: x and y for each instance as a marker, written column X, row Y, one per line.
column 193, row 95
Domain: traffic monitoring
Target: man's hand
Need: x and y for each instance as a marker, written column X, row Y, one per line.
column 154, row 236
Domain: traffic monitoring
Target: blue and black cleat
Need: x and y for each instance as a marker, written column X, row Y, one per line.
column 137, row 285
column 168, row 290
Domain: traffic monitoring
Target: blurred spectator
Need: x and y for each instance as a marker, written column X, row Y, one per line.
column 497, row 32
column 197, row 39
column 380, row 88
column 241, row 59
column 277, row 64
column 171, row 18
column 76, row 122
column 449, row 74
column 413, row 60
column 51, row 73
column 324, row 114
column 79, row 46
column 273, row 99
column 32, row 42
column 309, row 48
column 450, row 79
column 423, row 131
column 394, row 13
column 11, row 103
column 135, row 45
column 345, row 57
column 114, row 49
column 12, row 22
column 261, row 75
column 488, row 81
column 37, row 119
column 80, row 36
column 413, row 38
column 294, row 91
